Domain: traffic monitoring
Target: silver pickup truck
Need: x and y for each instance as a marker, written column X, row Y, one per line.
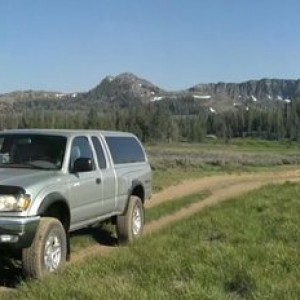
column 53, row 182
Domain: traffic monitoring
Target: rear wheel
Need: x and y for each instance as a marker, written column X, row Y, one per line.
column 130, row 225
column 48, row 250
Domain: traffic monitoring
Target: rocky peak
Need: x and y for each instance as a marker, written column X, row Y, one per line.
column 124, row 86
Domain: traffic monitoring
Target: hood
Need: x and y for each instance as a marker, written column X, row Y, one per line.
column 25, row 178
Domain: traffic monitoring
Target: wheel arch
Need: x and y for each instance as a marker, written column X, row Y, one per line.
column 137, row 189
column 56, row 206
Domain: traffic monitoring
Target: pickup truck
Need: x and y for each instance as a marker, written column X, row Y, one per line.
column 53, row 182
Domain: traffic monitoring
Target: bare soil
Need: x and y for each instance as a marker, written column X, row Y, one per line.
column 222, row 188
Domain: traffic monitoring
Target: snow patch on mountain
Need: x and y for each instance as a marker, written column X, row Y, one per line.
column 201, row 96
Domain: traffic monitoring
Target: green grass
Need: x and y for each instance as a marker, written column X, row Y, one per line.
column 173, row 163
column 236, row 144
column 243, row 249
column 171, row 207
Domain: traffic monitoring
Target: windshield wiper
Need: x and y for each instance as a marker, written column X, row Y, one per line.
column 25, row 166
column 14, row 165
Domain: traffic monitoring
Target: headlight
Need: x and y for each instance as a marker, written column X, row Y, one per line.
column 14, row 203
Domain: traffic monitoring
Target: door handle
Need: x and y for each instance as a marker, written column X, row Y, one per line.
column 98, row 180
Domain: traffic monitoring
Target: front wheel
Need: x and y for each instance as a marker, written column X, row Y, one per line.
column 48, row 250
column 130, row 225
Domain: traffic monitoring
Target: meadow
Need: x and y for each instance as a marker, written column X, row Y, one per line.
column 246, row 248
column 174, row 163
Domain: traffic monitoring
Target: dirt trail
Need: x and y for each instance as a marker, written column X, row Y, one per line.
column 214, row 183
column 221, row 187
column 218, row 196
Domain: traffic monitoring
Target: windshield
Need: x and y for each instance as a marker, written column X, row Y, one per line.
column 32, row 151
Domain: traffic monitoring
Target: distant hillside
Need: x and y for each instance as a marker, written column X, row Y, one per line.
column 126, row 90
column 33, row 95
column 266, row 108
column 264, row 90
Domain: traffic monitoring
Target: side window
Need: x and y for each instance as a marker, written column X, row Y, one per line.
column 80, row 148
column 99, row 152
column 125, row 150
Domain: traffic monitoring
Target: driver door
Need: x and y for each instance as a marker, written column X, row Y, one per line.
column 85, row 187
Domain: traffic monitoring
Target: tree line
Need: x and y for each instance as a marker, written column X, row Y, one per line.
column 166, row 122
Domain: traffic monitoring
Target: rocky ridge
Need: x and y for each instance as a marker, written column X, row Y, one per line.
column 127, row 89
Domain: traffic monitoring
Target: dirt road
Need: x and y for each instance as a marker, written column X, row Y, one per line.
column 221, row 187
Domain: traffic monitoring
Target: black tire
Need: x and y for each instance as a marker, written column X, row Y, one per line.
column 127, row 229
column 37, row 260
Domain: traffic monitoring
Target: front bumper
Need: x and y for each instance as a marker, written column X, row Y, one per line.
column 17, row 232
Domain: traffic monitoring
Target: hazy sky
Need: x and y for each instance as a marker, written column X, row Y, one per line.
column 71, row 45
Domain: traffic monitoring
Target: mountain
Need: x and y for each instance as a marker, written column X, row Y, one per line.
column 126, row 90
column 32, row 95
column 264, row 89
column 258, row 92
column 125, row 86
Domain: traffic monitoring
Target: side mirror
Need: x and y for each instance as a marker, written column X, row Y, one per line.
column 82, row 164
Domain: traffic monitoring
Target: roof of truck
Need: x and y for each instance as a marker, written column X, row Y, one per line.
column 65, row 132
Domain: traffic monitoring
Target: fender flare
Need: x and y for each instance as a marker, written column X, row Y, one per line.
column 51, row 199
column 135, row 183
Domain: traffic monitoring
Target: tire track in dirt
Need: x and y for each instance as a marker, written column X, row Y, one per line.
column 232, row 191
column 222, row 188
column 214, row 183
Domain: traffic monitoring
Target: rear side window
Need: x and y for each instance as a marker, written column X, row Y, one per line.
column 125, row 150
column 99, row 152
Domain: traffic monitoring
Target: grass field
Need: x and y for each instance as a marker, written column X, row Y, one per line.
column 173, row 163
column 247, row 248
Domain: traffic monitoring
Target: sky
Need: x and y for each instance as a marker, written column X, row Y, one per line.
column 71, row 45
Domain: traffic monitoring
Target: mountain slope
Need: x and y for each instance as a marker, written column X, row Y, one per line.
column 124, row 87
column 261, row 89
column 127, row 89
